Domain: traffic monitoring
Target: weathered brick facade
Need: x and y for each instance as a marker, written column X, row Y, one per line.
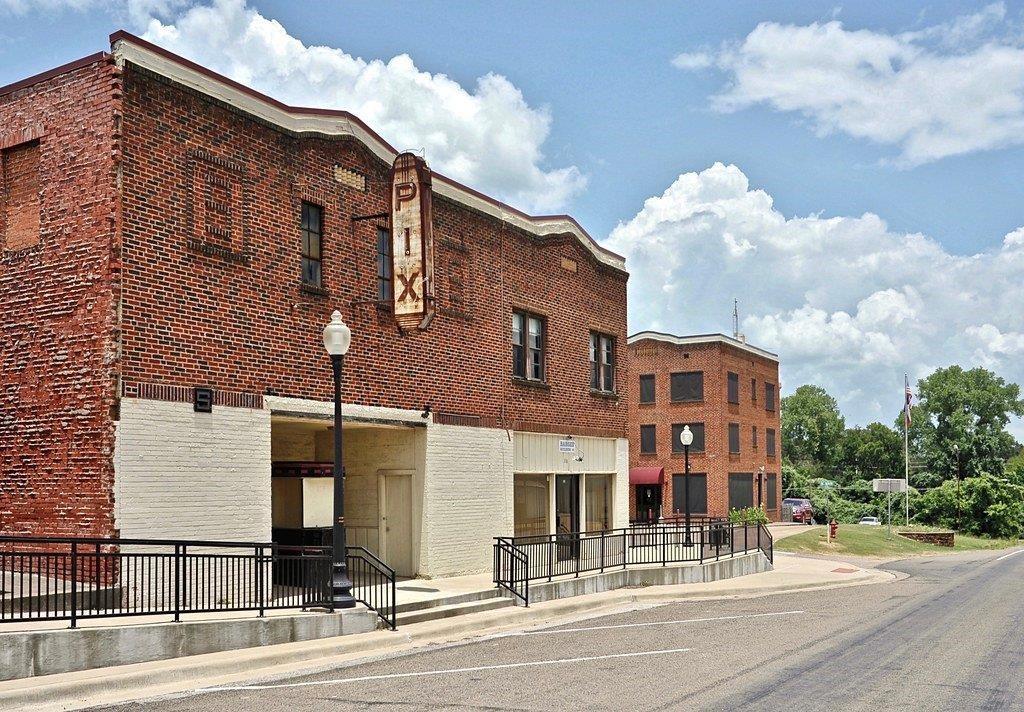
column 715, row 356
column 169, row 257
column 58, row 298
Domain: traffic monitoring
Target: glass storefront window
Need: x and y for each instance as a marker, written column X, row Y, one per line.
column 599, row 502
column 531, row 505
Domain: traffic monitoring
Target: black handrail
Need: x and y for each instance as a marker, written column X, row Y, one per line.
column 519, row 560
column 73, row 578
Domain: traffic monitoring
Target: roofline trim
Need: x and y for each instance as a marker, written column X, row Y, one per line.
column 55, row 72
column 128, row 47
column 694, row 339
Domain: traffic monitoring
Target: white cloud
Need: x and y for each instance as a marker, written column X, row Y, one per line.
column 845, row 301
column 692, row 60
column 946, row 90
column 488, row 137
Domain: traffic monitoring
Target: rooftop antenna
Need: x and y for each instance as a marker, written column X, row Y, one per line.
column 736, row 322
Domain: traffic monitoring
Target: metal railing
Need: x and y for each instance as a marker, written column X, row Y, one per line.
column 519, row 560
column 61, row 578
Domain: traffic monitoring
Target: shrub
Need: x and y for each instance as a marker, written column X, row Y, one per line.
column 748, row 515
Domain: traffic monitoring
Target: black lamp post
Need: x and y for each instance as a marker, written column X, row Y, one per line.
column 337, row 337
column 686, row 438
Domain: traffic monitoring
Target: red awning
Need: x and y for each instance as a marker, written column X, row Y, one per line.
column 646, row 475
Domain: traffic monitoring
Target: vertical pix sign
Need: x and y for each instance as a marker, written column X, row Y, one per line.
column 411, row 240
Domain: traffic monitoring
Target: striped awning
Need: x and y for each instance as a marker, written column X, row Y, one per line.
column 646, row 475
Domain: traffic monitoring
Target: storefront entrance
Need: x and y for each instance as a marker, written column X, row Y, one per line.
column 648, row 503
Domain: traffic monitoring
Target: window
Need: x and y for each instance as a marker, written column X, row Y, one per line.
column 385, row 292
column 530, row 493
column 773, row 501
column 698, row 486
column 599, row 502
column 602, row 362
column 769, row 441
column 741, row 490
column 753, row 391
column 527, row 346
column 769, row 397
column 19, row 196
column 687, row 387
column 312, row 232
column 648, row 439
column 734, row 438
column 698, row 437
column 753, row 436
column 647, row 388
column 734, row 388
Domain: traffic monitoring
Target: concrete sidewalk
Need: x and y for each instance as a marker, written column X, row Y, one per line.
column 119, row 684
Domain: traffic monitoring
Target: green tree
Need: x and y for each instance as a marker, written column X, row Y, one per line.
column 812, row 428
column 990, row 506
column 868, row 453
column 959, row 424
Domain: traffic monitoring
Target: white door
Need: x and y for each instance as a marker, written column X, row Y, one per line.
column 396, row 522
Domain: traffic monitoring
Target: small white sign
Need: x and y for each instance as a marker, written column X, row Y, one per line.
column 889, row 485
column 566, row 446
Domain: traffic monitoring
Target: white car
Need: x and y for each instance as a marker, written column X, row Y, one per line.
column 870, row 521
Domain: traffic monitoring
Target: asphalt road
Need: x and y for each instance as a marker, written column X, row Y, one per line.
column 949, row 637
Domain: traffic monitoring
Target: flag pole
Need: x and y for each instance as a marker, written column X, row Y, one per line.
column 906, row 447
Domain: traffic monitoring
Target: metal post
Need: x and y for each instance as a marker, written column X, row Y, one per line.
column 686, row 492
column 259, row 579
column 341, row 585
column 74, row 584
column 602, row 551
column 177, row 583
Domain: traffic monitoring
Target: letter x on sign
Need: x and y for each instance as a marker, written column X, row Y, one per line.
column 408, row 286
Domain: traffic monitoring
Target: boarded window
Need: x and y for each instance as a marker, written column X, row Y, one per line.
column 734, row 438
column 531, row 505
column 648, row 439
column 773, row 484
column 688, row 386
column 19, row 193
column 753, row 391
column 741, row 490
column 698, row 494
column 734, row 387
column 698, row 437
column 769, row 396
column 769, row 442
column 753, row 436
column 312, row 234
column 647, row 388
column 384, row 290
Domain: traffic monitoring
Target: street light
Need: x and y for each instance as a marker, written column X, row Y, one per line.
column 686, row 438
column 337, row 337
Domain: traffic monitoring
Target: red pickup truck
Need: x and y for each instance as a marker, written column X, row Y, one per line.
column 802, row 509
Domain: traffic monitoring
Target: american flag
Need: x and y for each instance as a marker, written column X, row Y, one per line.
column 908, row 396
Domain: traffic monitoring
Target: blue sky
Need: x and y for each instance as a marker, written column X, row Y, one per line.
column 871, row 153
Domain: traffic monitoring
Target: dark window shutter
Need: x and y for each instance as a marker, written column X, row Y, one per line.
column 688, row 386
column 698, row 437
column 734, row 388
column 648, row 439
column 741, row 490
column 647, row 388
column 734, row 438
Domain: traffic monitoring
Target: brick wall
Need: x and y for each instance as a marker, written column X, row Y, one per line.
column 234, row 315
column 58, row 295
column 715, row 360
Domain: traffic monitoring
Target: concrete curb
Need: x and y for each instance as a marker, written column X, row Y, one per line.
column 99, row 686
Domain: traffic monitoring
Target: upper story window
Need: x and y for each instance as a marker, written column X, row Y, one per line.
column 19, row 196
column 687, row 386
column 602, row 362
column 648, row 439
column 753, row 391
column 527, row 346
column 312, row 235
column 769, row 397
column 734, row 387
column 698, row 437
column 647, row 388
column 769, row 442
column 753, row 436
column 384, row 287
column 734, row 438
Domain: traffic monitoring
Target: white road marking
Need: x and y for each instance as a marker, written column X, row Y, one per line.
column 1012, row 553
column 654, row 623
column 449, row 671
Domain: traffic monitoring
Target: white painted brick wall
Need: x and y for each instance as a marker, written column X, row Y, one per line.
column 181, row 474
column 467, row 498
column 620, row 515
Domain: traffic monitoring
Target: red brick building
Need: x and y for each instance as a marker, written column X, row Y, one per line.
column 169, row 236
column 727, row 391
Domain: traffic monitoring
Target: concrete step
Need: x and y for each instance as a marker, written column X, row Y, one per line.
column 482, row 595
column 450, row 611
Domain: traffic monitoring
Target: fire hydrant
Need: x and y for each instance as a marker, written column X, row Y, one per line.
column 833, row 528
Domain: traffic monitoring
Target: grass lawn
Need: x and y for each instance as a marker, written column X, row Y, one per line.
column 858, row 540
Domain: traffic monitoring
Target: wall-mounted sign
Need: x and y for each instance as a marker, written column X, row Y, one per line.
column 567, row 445
column 411, row 240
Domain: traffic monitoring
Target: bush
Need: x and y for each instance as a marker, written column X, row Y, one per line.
column 748, row 515
column 989, row 506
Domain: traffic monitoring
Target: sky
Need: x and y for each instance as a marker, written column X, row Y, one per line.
column 850, row 173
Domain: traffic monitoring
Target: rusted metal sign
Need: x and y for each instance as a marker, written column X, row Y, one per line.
column 411, row 240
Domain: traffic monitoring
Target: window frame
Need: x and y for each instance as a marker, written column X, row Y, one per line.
column 753, row 437
column 772, row 485
column 653, row 430
column 522, row 361
column 679, row 493
column 694, row 448
column 649, row 378
column 385, row 266
column 672, row 397
column 306, row 233
column 732, row 392
column 734, row 428
column 769, row 397
column 602, row 362
column 769, row 442
column 753, row 391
